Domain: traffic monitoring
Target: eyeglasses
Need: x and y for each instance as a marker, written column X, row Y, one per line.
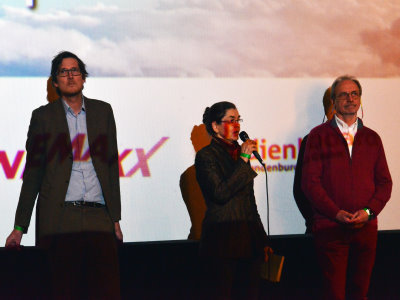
column 238, row 121
column 343, row 96
column 66, row 72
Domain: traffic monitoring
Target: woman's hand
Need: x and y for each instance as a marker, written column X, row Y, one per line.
column 247, row 148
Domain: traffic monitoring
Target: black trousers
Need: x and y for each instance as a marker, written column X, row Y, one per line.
column 83, row 257
column 232, row 278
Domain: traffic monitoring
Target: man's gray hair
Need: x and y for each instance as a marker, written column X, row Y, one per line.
column 339, row 80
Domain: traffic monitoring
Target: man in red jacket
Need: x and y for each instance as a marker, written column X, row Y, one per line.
column 347, row 180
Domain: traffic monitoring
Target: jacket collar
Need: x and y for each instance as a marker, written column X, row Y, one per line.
column 233, row 149
column 335, row 126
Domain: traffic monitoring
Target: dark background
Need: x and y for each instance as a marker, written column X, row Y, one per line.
column 173, row 270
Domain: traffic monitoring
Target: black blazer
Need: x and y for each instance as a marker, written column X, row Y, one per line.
column 232, row 226
column 49, row 164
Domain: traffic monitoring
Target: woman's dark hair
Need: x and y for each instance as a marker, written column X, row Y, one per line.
column 215, row 113
column 56, row 62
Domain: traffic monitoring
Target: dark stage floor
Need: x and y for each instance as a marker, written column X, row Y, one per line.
column 173, row 270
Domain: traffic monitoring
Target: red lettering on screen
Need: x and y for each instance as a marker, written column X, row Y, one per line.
column 121, row 157
column 11, row 170
column 142, row 164
column 143, row 158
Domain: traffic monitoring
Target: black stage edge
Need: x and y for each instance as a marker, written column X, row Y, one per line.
column 173, row 270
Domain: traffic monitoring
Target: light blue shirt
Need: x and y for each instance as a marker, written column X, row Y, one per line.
column 83, row 184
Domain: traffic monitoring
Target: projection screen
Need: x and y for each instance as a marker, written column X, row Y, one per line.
column 161, row 63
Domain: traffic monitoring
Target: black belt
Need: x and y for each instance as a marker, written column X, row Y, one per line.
column 83, row 203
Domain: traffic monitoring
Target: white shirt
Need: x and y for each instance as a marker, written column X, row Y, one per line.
column 349, row 132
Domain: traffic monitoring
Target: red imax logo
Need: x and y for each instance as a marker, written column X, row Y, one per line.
column 11, row 169
column 142, row 157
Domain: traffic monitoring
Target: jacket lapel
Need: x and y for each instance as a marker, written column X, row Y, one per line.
column 90, row 119
column 60, row 115
column 226, row 160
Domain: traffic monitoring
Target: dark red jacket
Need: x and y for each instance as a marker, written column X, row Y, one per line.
column 332, row 180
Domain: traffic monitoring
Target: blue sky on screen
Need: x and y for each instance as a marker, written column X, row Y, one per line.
column 204, row 38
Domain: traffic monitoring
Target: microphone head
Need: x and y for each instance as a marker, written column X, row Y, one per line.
column 244, row 136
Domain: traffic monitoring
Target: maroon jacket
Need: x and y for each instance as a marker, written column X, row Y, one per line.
column 332, row 180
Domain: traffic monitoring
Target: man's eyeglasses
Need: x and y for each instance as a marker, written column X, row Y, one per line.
column 343, row 96
column 238, row 121
column 66, row 72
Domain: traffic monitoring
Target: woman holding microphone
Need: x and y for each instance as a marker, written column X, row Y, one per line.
column 233, row 242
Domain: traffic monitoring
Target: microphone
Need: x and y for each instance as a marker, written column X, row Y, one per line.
column 244, row 137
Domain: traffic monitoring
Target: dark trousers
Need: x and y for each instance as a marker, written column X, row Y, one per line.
column 229, row 278
column 343, row 251
column 83, row 257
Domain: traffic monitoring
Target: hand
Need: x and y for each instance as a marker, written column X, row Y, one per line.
column 359, row 219
column 14, row 239
column 344, row 217
column 267, row 253
column 248, row 147
column 118, row 232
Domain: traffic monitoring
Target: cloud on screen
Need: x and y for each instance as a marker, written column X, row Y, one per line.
column 209, row 38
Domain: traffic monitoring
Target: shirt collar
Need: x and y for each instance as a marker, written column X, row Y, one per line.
column 343, row 126
column 67, row 108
